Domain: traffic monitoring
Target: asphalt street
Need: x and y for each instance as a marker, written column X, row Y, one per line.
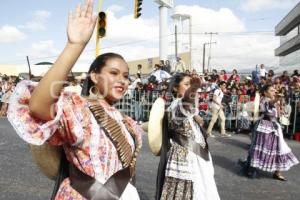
column 21, row 179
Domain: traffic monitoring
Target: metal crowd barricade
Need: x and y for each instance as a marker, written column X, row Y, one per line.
column 294, row 102
column 233, row 110
column 127, row 106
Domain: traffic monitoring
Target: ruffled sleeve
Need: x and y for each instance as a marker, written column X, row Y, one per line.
column 66, row 126
column 267, row 109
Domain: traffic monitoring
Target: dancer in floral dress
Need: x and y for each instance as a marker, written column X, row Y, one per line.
column 99, row 142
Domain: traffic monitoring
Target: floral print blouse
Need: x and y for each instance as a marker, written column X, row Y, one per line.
column 74, row 126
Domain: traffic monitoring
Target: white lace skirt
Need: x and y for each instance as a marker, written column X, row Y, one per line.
column 130, row 193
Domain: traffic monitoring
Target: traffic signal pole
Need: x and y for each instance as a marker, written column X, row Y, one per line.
column 98, row 41
column 137, row 12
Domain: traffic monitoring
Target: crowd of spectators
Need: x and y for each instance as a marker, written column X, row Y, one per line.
column 7, row 84
column 240, row 90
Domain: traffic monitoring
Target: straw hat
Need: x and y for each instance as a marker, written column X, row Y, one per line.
column 144, row 126
column 155, row 126
column 47, row 157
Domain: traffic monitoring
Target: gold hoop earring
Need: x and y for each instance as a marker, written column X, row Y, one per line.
column 92, row 94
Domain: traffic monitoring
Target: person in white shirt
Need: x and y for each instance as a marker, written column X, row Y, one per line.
column 217, row 110
column 262, row 71
column 160, row 74
column 137, row 80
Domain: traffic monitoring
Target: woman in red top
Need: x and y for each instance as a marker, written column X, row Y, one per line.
column 234, row 77
column 223, row 76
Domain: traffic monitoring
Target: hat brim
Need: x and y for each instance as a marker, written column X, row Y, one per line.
column 155, row 126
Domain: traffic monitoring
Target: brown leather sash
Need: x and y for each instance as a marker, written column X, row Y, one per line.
column 91, row 189
column 113, row 188
column 191, row 145
column 114, row 132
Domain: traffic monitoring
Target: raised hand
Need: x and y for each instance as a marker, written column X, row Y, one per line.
column 195, row 82
column 191, row 96
column 81, row 24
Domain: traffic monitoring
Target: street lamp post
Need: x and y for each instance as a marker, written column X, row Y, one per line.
column 164, row 5
column 29, row 69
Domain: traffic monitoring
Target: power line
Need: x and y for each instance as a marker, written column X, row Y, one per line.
column 142, row 41
column 92, row 50
column 233, row 33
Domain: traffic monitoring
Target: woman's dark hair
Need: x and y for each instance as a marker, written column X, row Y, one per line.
column 175, row 81
column 221, row 83
column 264, row 89
column 158, row 66
column 96, row 67
column 263, row 78
column 271, row 72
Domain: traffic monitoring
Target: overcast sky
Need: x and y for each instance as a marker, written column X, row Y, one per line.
column 37, row 28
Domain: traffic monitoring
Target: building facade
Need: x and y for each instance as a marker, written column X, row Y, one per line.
column 289, row 31
column 148, row 63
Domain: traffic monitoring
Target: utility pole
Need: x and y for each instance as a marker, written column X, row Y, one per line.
column 190, row 40
column 29, row 67
column 210, row 42
column 206, row 43
column 181, row 18
column 176, row 45
column 203, row 63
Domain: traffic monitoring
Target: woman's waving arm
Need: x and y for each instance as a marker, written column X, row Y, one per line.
column 81, row 24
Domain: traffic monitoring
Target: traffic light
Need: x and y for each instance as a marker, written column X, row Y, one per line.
column 102, row 24
column 137, row 8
